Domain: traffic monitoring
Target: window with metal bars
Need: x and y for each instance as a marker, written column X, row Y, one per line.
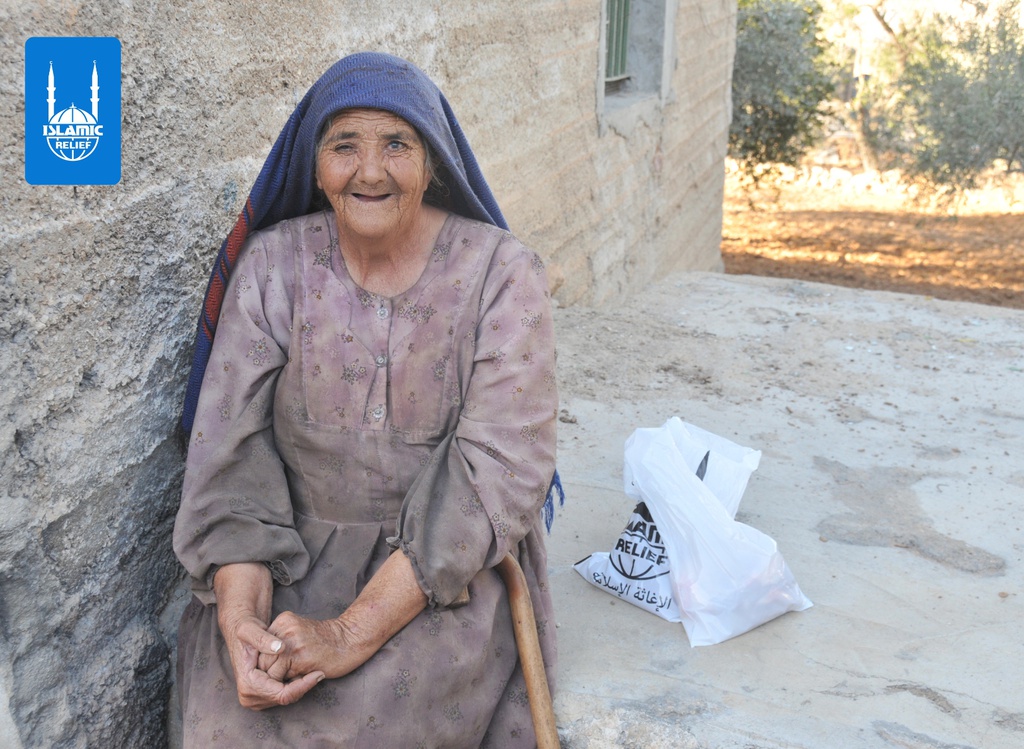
column 617, row 38
column 638, row 51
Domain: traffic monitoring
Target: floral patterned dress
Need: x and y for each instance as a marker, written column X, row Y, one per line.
column 334, row 426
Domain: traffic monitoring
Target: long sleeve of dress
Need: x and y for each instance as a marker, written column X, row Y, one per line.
column 235, row 501
column 482, row 490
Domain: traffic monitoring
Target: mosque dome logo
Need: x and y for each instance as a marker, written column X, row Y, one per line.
column 73, row 134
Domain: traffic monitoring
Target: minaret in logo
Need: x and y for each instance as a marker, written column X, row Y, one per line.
column 73, row 133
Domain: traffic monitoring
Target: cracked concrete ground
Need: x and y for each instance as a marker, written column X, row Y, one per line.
column 892, row 430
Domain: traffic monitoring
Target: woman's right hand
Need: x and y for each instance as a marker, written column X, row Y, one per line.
column 244, row 594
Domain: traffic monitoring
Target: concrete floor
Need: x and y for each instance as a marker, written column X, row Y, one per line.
column 892, row 433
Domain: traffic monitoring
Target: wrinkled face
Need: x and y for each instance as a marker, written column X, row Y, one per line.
column 372, row 167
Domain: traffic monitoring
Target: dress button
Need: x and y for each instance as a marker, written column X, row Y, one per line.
column 378, row 413
column 381, row 360
column 382, row 312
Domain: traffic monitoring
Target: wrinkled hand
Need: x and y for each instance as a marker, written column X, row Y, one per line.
column 244, row 593
column 310, row 645
column 247, row 642
column 284, row 660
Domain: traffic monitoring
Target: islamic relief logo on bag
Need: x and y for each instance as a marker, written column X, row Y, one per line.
column 637, row 569
column 69, row 143
column 639, row 553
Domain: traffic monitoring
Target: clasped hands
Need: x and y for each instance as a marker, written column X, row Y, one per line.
column 279, row 662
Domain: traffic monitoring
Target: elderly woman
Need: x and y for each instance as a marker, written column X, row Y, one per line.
column 373, row 433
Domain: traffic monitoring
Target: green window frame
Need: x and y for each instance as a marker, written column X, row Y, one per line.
column 617, row 40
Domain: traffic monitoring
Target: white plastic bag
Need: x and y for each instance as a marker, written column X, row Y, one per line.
column 636, row 570
column 721, row 464
column 727, row 577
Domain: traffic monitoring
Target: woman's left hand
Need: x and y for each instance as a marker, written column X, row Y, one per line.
column 391, row 599
column 312, row 645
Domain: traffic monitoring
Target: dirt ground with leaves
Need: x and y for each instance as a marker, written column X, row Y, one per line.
column 834, row 226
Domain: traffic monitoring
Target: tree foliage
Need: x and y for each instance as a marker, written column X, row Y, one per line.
column 781, row 79
column 956, row 106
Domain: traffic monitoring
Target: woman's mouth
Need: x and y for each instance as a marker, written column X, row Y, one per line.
column 371, row 198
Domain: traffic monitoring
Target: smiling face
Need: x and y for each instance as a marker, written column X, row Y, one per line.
column 372, row 167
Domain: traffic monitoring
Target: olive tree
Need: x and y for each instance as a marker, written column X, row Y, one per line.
column 954, row 106
column 781, row 82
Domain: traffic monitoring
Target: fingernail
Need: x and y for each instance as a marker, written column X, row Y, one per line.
column 275, row 645
column 321, row 678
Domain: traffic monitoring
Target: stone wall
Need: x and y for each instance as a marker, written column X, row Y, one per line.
column 100, row 285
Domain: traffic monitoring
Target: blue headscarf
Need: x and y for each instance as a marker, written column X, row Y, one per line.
column 286, row 186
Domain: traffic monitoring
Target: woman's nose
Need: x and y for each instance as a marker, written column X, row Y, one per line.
column 371, row 167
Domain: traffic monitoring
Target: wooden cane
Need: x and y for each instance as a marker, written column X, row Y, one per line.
column 528, row 644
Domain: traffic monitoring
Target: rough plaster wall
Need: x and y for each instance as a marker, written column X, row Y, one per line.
column 697, row 118
column 100, row 285
column 641, row 193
